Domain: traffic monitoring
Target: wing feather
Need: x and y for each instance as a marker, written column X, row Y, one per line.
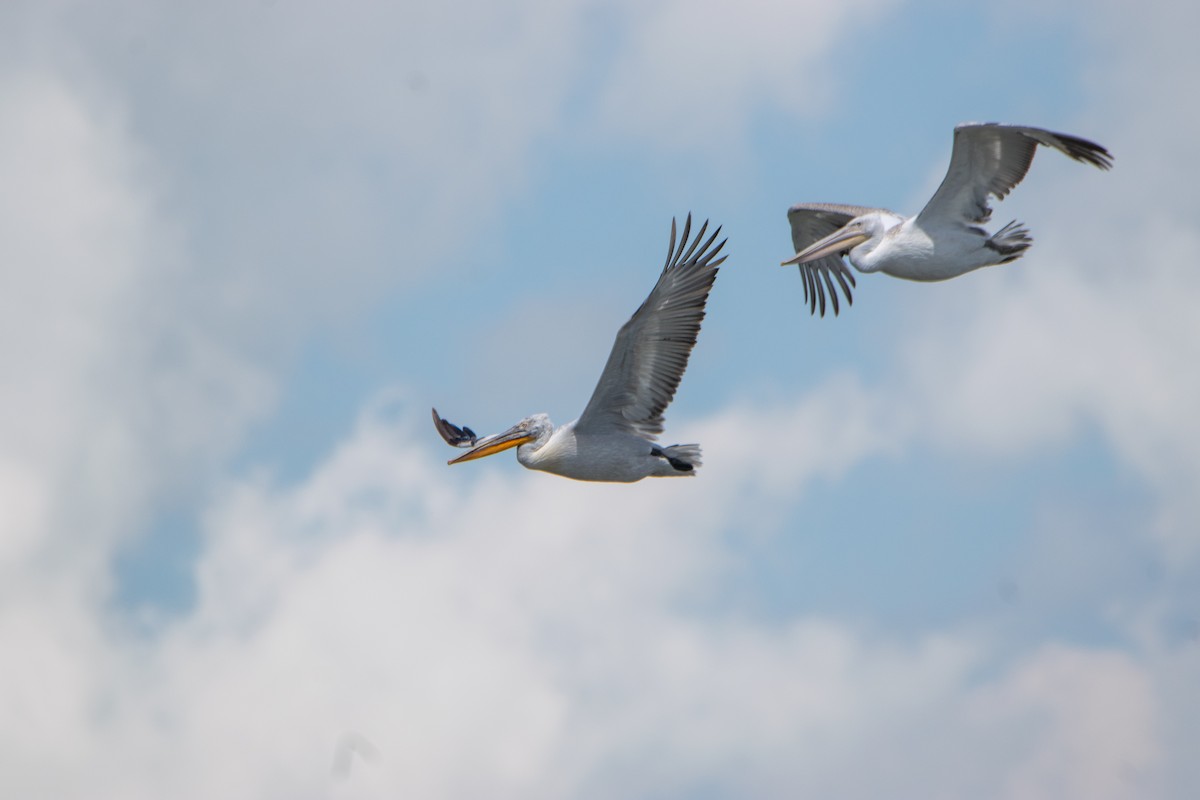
column 811, row 222
column 989, row 159
column 454, row 435
column 651, row 350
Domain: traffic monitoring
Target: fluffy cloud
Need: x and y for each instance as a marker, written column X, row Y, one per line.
column 311, row 156
column 112, row 390
column 525, row 636
column 716, row 64
column 1046, row 357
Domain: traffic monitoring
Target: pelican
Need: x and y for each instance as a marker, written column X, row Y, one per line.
column 614, row 438
column 945, row 239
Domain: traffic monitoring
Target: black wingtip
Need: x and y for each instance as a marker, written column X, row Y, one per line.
column 1087, row 151
column 452, row 434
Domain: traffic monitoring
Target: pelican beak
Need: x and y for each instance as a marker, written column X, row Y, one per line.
column 839, row 241
column 491, row 445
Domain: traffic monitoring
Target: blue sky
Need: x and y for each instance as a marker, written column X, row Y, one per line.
column 944, row 545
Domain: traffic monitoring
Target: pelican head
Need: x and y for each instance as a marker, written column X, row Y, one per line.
column 840, row 242
column 535, row 429
column 856, row 240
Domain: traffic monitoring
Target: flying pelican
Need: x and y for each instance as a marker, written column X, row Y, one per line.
column 945, row 239
column 613, row 440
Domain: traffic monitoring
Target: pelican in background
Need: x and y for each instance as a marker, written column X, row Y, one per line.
column 614, row 438
column 945, row 239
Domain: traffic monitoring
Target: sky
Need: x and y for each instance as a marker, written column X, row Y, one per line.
column 944, row 545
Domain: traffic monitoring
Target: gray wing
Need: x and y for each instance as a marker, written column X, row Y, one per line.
column 810, row 223
column 990, row 159
column 652, row 348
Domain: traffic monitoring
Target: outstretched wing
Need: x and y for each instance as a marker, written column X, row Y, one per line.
column 652, row 348
column 454, row 435
column 989, row 159
column 812, row 222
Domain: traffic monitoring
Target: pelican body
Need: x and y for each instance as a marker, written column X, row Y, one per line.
column 944, row 240
column 614, row 437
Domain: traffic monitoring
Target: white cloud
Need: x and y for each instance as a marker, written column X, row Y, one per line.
column 1095, row 720
column 316, row 156
column 693, row 74
column 520, row 635
column 112, row 390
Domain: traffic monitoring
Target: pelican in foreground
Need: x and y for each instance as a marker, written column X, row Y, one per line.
column 945, row 239
column 614, row 438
